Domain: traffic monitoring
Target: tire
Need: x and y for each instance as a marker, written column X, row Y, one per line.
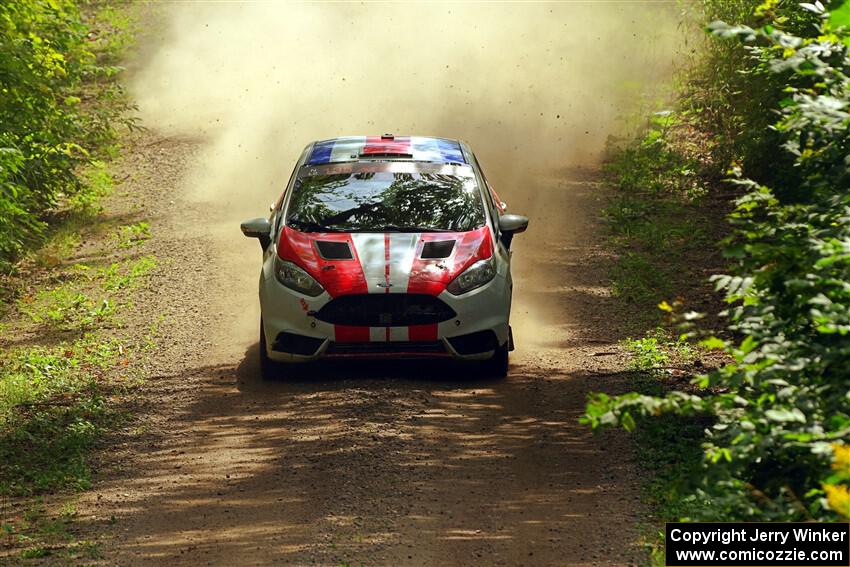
column 269, row 369
column 497, row 365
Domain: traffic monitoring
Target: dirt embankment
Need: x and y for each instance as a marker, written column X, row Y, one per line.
column 402, row 464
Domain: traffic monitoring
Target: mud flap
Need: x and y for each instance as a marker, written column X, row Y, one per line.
column 510, row 339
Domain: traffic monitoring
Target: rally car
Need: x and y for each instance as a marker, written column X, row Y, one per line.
column 385, row 246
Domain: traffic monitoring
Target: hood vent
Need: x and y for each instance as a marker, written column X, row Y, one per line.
column 334, row 250
column 437, row 249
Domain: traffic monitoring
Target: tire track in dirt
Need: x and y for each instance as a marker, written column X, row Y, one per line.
column 369, row 464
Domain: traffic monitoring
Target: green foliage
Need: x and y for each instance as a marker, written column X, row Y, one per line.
column 81, row 215
column 50, row 124
column 733, row 97
column 647, row 354
column 97, row 184
column 65, row 365
column 657, row 167
column 133, row 234
column 657, row 349
column 779, row 411
column 41, row 373
column 65, row 307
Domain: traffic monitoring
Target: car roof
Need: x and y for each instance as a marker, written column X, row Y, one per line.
column 413, row 148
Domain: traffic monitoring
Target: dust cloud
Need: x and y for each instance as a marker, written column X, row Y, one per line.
column 534, row 87
column 530, row 86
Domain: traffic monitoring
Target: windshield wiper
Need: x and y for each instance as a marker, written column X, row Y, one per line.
column 310, row 226
column 393, row 228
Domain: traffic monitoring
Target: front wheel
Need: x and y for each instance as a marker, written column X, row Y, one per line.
column 497, row 365
column 269, row 369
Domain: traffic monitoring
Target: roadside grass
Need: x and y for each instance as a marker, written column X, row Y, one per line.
column 58, row 398
column 116, row 31
column 68, row 365
column 77, row 215
column 133, row 234
column 64, row 388
column 665, row 218
column 50, row 535
column 658, row 224
column 670, row 446
column 657, row 350
column 87, row 297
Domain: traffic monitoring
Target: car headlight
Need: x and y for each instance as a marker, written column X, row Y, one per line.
column 296, row 279
column 473, row 277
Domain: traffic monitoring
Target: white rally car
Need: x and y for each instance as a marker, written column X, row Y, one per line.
column 384, row 246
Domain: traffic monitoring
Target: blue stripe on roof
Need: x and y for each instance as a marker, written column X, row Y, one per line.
column 450, row 150
column 321, row 152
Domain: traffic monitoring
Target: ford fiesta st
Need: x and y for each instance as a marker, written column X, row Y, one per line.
column 384, row 246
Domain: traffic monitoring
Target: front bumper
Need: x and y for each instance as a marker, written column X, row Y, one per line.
column 294, row 334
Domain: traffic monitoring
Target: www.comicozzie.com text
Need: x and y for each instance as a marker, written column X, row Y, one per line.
column 727, row 536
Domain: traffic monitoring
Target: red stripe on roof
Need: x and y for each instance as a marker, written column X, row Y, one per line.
column 377, row 145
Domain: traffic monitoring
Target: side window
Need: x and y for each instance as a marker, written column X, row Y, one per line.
column 492, row 202
column 278, row 212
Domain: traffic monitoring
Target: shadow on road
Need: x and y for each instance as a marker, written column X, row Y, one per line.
column 333, row 374
column 394, row 462
column 379, row 463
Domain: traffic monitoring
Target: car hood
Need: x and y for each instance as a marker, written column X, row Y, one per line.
column 392, row 262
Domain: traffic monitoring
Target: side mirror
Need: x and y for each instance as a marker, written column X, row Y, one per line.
column 258, row 228
column 511, row 224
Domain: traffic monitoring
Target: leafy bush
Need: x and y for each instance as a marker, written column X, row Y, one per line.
column 49, row 124
column 781, row 410
column 734, row 98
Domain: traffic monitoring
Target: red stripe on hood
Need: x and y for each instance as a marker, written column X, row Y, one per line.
column 432, row 276
column 338, row 277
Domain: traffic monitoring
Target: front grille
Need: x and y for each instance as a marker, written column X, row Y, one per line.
column 474, row 343
column 296, row 344
column 397, row 348
column 385, row 310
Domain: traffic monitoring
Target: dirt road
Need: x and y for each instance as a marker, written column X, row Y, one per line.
column 394, row 464
column 398, row 464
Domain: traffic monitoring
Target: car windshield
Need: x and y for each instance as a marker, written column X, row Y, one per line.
column 385, row 201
